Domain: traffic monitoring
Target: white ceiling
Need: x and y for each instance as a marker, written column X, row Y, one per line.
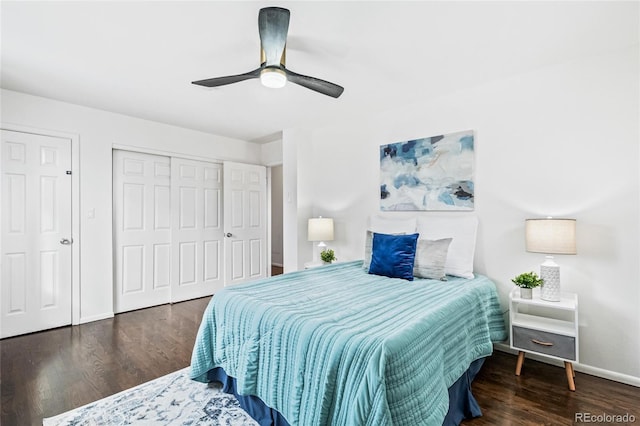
column 138, row 58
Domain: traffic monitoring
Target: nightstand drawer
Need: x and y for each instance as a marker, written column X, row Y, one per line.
column 544, row 342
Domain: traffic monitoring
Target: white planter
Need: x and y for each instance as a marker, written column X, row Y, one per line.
column 526, row 293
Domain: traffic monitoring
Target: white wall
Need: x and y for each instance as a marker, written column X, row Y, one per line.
column 271, row 153
column 559, row 141
column 297, row 194
column 98, row 132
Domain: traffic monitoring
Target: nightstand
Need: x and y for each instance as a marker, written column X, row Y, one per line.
column 311, row 265
column 545, row 328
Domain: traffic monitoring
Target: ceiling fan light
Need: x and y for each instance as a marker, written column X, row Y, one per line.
column 273, row 77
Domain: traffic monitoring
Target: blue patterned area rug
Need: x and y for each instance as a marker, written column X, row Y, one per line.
column 173, row 399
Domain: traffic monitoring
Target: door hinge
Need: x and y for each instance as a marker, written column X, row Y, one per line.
column 68, row 172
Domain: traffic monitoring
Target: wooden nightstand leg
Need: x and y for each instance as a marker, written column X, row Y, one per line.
column 519, row 363
column 569, row 369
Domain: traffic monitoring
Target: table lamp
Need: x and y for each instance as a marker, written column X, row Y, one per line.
column 320, row 229
column 550, row 236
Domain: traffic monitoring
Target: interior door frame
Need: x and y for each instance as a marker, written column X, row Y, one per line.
column 75, row 207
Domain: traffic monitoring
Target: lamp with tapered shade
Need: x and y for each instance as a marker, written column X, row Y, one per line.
column 550, row 236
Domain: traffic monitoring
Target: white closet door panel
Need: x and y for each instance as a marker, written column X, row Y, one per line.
column 162, row 207
column 196, row 232
column 212, row 262
column 187, row 207
column 133, row 206
column 188, row 263
column 161, row 265
column 245, row 214
column 16, row 203
column 142, row 229
column 212, row 208
column 35, row 269
column 133, row 269
column 15, row 268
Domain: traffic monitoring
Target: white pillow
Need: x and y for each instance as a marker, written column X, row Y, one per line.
column 463, row 230
column 387, row 225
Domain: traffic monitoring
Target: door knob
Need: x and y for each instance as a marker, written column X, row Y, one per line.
column 228, row 235
column 65, row 241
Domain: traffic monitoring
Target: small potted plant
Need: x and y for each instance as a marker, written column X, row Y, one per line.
column 527, row 281
column 327, row 256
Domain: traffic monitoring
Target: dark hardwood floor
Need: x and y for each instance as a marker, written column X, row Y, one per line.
column 46, row 373
column 50, row 372
column 540, row 395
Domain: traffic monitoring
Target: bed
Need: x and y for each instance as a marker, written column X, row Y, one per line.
column 338, row 345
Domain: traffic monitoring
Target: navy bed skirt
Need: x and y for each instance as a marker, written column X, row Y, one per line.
column 462, row 404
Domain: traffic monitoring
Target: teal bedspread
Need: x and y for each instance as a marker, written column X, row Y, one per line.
column 337, row 346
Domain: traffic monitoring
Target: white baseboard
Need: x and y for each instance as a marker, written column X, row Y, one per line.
column 594, row 371
column 93, row 318
column 279, row 265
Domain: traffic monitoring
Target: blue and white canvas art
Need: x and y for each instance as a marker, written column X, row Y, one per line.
column 434, row 173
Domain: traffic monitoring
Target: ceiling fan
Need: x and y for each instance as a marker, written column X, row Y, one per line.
column 273, row 25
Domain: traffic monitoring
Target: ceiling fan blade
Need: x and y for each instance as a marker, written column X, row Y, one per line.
column 273, row 25
column 321, row 86
column 221, row 81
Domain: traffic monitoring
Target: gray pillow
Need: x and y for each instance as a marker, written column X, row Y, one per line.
column 431, row 256
column 368, row 246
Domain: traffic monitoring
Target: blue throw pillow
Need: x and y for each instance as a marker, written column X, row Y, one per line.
column 393, row 255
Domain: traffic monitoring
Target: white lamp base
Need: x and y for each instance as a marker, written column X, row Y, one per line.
column 550, row 274
column 317, row 250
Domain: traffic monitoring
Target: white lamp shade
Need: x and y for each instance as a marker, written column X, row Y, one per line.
column 320, row 229
column 551, row 236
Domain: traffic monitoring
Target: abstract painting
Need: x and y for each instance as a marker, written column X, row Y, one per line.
column 434, row 173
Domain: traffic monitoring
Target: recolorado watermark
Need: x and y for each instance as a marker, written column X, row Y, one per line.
column 604, row 418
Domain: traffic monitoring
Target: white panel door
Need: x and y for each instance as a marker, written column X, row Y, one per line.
column 142, row 230
column 35, row 242
column 245, row 217
column 197, row 233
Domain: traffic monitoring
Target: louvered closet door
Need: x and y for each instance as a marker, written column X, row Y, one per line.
column 197, row 229
column 35, row 237
column 142, row 229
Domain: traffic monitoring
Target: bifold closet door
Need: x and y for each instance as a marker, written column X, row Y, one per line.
column 142, row 230
column 197, row 233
